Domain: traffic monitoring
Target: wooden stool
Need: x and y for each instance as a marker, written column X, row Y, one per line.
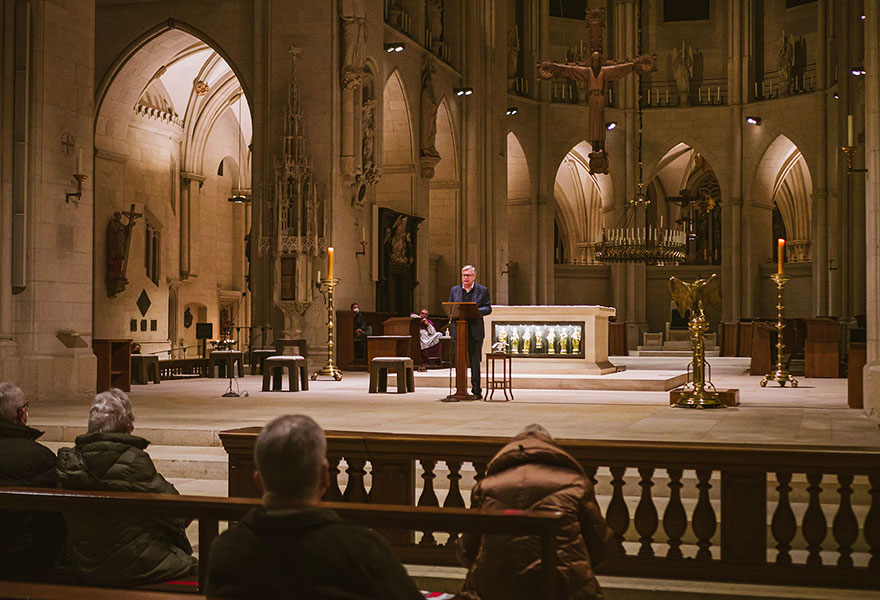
column 144, row 367
column 225, row 360
column 493, row 381
column 273, row 367
column 402, row 365
column 257, row 357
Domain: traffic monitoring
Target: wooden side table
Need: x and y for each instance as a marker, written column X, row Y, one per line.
column 493, row 380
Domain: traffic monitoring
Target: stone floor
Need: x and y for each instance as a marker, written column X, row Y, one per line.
column 815, row 413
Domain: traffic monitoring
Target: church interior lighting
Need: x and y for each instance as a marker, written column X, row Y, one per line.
column 394, row 47
column 858, row 71
column 753, row 120
column 463, row 91
column 512, row 111
column 611, row 125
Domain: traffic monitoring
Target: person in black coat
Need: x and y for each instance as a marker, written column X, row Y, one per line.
column 31, row 541
column 291, row 547
column 471, row 291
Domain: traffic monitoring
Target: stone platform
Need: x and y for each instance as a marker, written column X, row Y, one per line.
column 625, row 381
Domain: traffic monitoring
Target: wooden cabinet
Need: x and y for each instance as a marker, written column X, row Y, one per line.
column 114, row 364
column 822, row 350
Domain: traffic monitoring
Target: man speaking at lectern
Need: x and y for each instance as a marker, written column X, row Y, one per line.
column 471, row 291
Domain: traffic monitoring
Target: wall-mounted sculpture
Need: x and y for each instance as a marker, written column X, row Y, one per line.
column 118, row 242
column 428, row 155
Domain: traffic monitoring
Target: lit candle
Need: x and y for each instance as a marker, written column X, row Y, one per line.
column 781, row 268
column 330, row 263
column 849, row 130
column 319, row 277
column 79, row 157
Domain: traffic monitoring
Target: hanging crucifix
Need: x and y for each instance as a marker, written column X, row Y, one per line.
column 596, row 73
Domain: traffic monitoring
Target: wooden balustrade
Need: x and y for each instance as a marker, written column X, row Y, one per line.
column 701, row 510
column 209, row 511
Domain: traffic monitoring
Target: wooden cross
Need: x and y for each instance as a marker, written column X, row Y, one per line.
column 596, row 71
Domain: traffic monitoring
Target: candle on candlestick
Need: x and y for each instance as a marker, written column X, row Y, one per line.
column 330, row 263
column 781, row 268
column 319, row 276
column 364, row 234
column 79, row 159
column 849, row 130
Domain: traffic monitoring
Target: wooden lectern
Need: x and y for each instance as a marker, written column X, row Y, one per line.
column 460, row 312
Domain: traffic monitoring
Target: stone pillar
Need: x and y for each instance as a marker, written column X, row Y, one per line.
column 872, row 209
column 187, row 191
column 820, row 182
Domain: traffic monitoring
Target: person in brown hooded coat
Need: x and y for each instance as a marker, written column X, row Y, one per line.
column 531, row 472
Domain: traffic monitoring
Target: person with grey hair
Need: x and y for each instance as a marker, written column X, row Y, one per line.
column 291, row 547
column 533, row 473
column 471, row 291
column 120, row 549
column 31, row 541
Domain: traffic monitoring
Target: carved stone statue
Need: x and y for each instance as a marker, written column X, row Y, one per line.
column 435, row 25
column 784, row 64
column 683, row 71
column 118, row 238
column 512, row 56
column 353, row 36
column 428, row 154
column 400, row 241
column 395, row 14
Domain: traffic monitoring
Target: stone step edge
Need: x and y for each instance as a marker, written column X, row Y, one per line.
column 450, row 579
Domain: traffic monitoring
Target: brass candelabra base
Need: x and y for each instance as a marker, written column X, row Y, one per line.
column 699, row 391
column 330, row 369
column 781, row 374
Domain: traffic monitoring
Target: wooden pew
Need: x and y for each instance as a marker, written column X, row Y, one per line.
column 209, row 511
column 25, row 590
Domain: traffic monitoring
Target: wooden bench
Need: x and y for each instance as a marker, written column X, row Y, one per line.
column 209, row 511
column 297, row 373
column 25, row 590
column 402, row 365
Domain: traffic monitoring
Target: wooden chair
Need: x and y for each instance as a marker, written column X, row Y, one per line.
column 402, row 365
column 297, row 373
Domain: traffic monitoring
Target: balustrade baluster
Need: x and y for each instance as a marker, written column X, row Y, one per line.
column 480, row 468
column 783, row 525
column 674, row 517
column 591, row 474
column 333, row 493
column 356, row 491
column 428, row 497
column 704, row 522
column 646, row 514
column 454, row 498
column 814, row 526
column 617, row 515
column 845, row 527
column 872, row 522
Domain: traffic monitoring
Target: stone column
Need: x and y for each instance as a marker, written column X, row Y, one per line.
column 872, row 201
column 820, row 183
column 187, row 191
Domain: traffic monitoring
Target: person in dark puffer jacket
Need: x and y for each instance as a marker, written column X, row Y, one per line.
column 532, row 473
column 31, row 541
column 120, row 549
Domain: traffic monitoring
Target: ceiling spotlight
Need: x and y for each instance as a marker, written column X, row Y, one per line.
column 862, row 17
column 464, row 91
column 753, row 120
column 512, row 110
column 610, row 125
column 394, row 47
column 836, row 95
column 857, row 71
column 237, row 199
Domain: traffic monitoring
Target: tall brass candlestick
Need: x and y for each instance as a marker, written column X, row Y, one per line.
column 330, row 369
column 780, row 375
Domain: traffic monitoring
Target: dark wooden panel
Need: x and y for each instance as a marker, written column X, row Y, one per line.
column 858, row 357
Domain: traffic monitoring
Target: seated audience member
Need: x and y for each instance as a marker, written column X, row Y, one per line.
column 429, row 337
column 31, row 541
column 532, row 472
column 120, row 548
column 293, row 548
column 360, row 330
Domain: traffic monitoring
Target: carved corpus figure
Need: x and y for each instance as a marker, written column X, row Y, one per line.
column 596, row 74
column 785, row 64
column 512, row 56
column 429, row 156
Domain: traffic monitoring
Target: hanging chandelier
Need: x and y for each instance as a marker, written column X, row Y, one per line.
column 637, row 238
